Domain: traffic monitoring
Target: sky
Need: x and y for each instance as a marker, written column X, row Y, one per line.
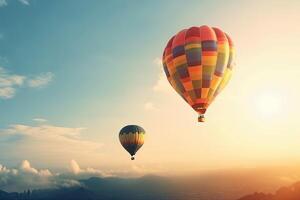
column 73, row 73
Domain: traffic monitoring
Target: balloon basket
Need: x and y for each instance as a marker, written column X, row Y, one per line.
column 132, row 157
column 201, row 118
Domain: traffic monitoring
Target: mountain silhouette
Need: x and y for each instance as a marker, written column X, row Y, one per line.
column 152, row 187
column 148, row 187
column 284, row 193
column 144, row 188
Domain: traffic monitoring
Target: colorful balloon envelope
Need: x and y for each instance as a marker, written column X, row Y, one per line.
column 198, row 63
column 132, row 138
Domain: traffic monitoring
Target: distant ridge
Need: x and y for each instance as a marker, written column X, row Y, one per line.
column 151, row 187
column 284, row 193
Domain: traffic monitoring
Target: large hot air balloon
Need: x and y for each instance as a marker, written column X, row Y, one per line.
column 132, row 138
column 198, row 63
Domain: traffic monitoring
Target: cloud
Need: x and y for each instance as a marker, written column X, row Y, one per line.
column 24, row 2
column 142, row 169
column 25, row 176
column 40, row 120
column 26, row 167
column 162, row 84
column 10, row 82
column 46, row 132
column 3, row 3
column 87, row 172
column 47, row 143
column 157, row 61
column 40, row 80
column 149, row 106
column 7, row 92
column 75, row 167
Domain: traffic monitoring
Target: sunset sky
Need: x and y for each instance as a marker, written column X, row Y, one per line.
column 73, row 73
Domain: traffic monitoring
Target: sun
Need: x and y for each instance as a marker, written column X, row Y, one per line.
column 269, row 104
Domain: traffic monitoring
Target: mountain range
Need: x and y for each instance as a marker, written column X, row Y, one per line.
column 147, row 188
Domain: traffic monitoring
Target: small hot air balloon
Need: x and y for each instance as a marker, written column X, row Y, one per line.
column 132, row 138
column 198, row 63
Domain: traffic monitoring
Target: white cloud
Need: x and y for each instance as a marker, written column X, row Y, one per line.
column 28, row 177
column 162, row 84
column 40, row 80
column 48, row 143
column 74, row 167
column 40, row 120
column 26, row 167
column 10, row 82
column 7, row 92
column 158, row 62
column 87, row 172
column 3, row 3
column 142, row 169
column 46, row 131
column 25, row 177
column 25, row 2
column 149, row 106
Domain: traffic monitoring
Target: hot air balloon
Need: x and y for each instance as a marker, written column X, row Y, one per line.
column 132, row 138
column 198, row 63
